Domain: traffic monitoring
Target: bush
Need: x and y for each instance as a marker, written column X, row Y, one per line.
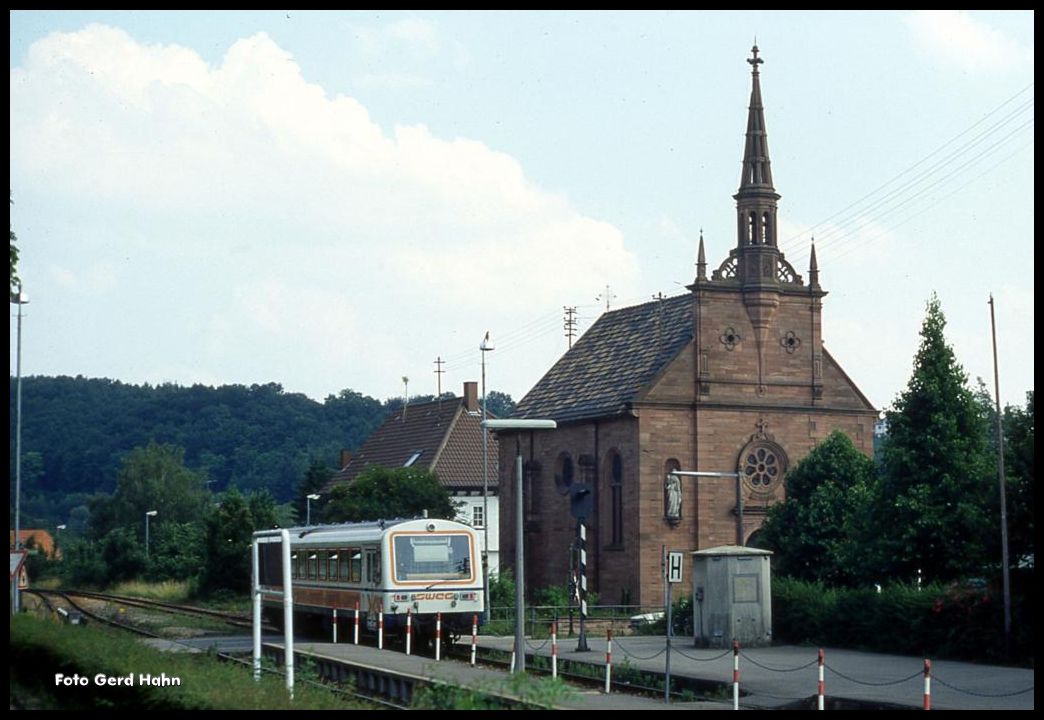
column 955, row 620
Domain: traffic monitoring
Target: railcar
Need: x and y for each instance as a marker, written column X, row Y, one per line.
column 424, row 566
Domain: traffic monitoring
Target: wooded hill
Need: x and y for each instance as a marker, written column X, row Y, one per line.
column 75, row 432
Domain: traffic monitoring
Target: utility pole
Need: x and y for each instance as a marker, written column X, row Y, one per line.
column 1000, row 480
column 570, row 324
column 439, row 362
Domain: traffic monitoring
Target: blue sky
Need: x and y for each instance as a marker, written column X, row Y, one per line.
column 333, row 200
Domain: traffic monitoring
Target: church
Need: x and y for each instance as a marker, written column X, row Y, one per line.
column 730, row 380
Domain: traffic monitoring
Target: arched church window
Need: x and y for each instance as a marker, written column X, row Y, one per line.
column 765, row 235
column 751, row 237
column 564, row 472
column 616, row 497
column 533, row 491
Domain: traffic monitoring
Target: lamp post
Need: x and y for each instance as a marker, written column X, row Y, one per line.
column 520, row 563
column 739, row 495
column 308, row 507
column 485, row 346
column 18, row 298
column 150, row 513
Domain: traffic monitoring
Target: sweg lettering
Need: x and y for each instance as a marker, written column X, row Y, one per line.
column 435, row 596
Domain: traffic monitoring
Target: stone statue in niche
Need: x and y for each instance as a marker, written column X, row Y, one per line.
column 672, row 497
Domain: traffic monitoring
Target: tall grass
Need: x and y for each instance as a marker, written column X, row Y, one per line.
column 175, row 591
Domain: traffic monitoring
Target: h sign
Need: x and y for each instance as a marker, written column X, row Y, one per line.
column 674, row 567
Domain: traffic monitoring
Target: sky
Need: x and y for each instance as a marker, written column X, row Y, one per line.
column 337, row 200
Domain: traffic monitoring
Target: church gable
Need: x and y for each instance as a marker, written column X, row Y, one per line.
column 612, row 363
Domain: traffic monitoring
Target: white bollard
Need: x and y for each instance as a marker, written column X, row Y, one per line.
column 474, row 637
column 409, row 629
column 927, row 684
column 356, row 622
column 821, row 696
column 438, row 636
column 608, row 659
column 554, row 651
column 335, row 626
column 380, row 630
column 735, row 675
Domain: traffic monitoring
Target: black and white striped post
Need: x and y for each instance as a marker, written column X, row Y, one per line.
column 581, row 535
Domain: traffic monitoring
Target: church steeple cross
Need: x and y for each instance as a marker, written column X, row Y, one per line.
column 755, row 61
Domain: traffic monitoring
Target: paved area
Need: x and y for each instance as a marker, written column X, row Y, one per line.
column 775, row 676
column 769, row 677
column 462, row 674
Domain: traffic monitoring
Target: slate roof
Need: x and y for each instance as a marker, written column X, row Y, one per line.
column 447, row 436
column 612, row 362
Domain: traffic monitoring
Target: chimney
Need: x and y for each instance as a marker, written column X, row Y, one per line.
column 346, row 457
column 471, row 403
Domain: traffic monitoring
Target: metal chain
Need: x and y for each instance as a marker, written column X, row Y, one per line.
column 766, row 667
column 716, row 657
column 981, row 694
column 639, row 657
column 534, row 647
column 919, row 673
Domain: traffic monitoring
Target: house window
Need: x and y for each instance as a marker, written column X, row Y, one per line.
column 532, row 492
column 412, row 459
column 477, row 517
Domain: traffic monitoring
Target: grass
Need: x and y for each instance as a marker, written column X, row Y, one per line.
column 173, row 591
column 40, row 649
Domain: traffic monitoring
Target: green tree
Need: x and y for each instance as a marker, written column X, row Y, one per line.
column 14, row 255
column 382, row 493
column 820, row 531
column 933, row 513
column 176, row 551
column 1018, row 465
column 228, row 532
column 151, row 478
column 499, row 404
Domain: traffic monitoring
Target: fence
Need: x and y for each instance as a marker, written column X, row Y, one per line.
column 621, row 619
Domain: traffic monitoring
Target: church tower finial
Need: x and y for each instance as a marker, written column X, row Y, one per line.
column 756, row 200
column 701, row 261
column 813, row 268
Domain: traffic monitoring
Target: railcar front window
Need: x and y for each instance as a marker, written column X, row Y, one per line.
column 432, row 557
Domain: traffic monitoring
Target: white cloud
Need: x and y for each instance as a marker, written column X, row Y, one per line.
column 956, row 37
column 317, row 220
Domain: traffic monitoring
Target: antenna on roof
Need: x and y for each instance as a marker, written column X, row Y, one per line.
column 439, row 362
column 607, row 296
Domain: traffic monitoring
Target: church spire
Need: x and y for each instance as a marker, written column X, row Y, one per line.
column 701, row 261
column 756, row 198
column 757, row 169
column 813, row 268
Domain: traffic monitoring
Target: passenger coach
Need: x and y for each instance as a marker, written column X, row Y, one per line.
column 425, row 565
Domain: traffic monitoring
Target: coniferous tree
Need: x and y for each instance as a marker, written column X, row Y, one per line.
column 933, row 513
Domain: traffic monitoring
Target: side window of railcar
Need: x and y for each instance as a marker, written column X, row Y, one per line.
column 356, row 560
column 373, row 567
column 313, row 562
column 322, row 564
column 331, row 572
column 342, row 564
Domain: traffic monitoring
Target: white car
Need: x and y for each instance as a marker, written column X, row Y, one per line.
column 645, row 619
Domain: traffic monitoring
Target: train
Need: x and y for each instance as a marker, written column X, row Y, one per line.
column 426, row 566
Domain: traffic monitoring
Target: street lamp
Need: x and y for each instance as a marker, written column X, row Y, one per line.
column 520, row 564
column 150, row 513
column 739, row 495
column 308, row 507
column 485, row 346
column 18, row 298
